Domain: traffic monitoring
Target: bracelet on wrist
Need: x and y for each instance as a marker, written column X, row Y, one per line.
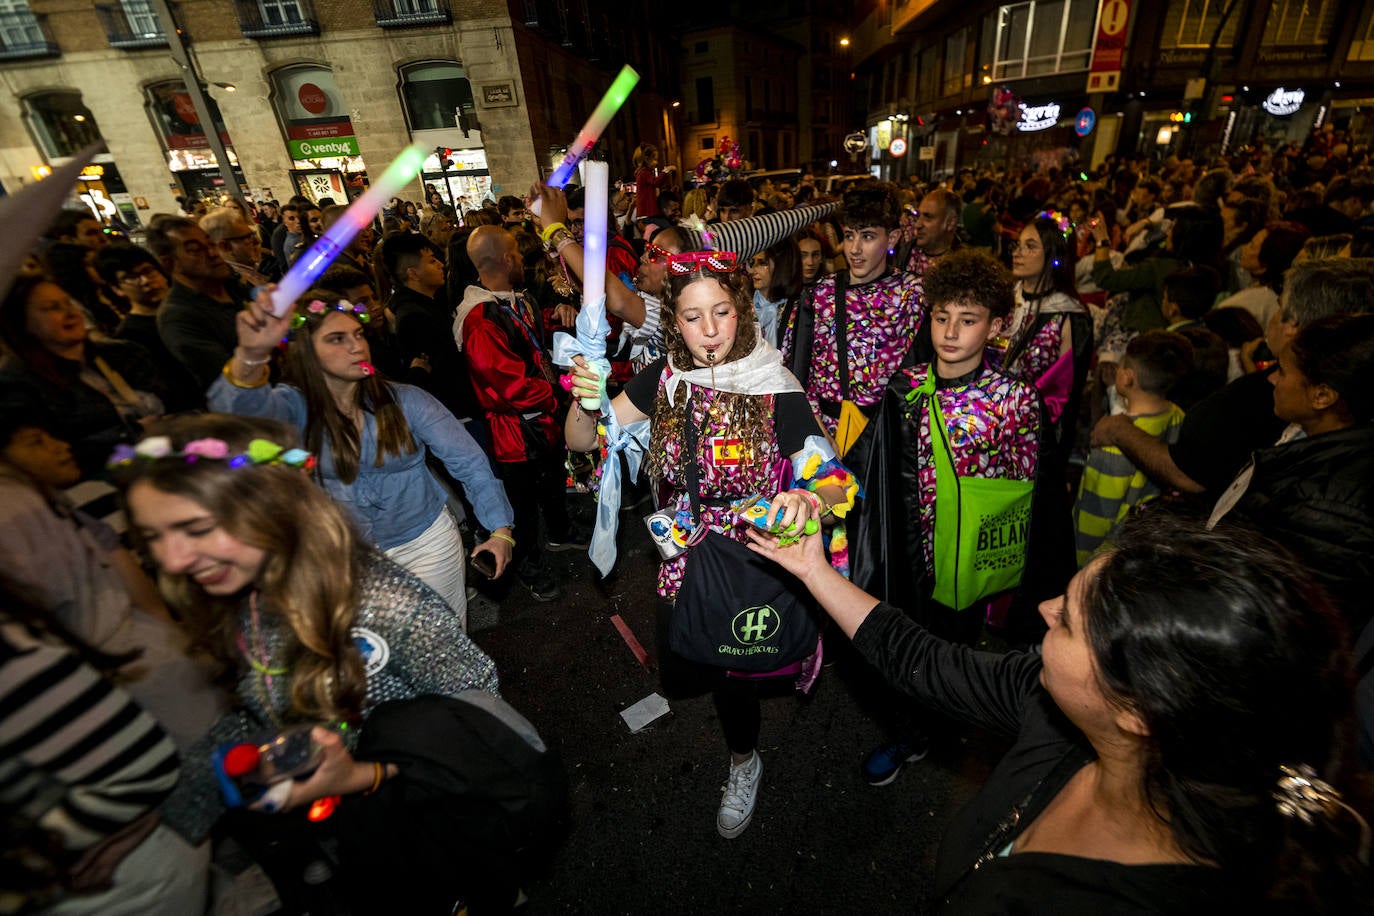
column 505, row 537
column 549, row 230
column 229, row 377
column 378, row 774
column 254, row 362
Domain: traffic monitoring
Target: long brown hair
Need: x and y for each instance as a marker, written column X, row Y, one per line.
column 749, row 416
column 314, row 559
column 322, row 415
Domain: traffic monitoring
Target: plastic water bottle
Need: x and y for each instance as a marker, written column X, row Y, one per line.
column 248, row 768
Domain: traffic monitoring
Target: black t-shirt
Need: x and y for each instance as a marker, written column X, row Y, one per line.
column 793, row 419
column 1221, row 431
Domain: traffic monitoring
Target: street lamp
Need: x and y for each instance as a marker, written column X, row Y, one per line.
column 844, row 42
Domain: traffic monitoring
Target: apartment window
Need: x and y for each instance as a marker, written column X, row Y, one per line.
column 18, row 27
column 1046, row 36
column 60, row 122
column 1192, row 23
column 1299, row 22
column 930, row 68
column 281, row 12
column 708, row 143
column 433, row 92
column 956, row 62
column 1362, row 48
column 706, row 101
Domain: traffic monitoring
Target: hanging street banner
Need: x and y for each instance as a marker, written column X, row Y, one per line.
column 1109, row 47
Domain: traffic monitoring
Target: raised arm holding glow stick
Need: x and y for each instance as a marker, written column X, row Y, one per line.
column 591, row 131
column 360, row 213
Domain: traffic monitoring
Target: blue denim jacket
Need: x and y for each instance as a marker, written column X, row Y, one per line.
column 396, row 502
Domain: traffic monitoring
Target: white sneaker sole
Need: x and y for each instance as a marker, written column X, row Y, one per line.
column 731, row 832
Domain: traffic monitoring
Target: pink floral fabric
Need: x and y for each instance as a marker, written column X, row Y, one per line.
column 992, row 421
column 883, row 318
column 755, row 473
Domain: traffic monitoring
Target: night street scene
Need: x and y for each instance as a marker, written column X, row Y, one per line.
column 467, row 457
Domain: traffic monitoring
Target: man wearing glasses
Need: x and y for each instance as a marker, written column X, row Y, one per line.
column 237, row 242
column 198, row 319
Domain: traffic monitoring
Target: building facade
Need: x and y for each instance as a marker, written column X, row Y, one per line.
column 309, row 95
column 995, row 82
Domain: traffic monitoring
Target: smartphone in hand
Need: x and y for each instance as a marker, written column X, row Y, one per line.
column 484, row 563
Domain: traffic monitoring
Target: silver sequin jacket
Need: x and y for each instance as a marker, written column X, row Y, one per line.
column 411, row 644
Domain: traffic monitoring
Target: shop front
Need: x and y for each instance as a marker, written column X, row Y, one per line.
column 327, row 164
column 61, row 126
column 189, row 159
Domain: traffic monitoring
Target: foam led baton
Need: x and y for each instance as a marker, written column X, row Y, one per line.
column 359, row 214
column 591, row 131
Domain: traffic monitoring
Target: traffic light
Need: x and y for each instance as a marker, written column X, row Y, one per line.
column 467, row 120
column 445, row 155
column 1181, row 117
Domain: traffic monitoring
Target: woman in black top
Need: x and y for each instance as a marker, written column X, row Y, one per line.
column 1180, row 673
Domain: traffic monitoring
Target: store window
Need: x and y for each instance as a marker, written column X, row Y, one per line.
column 1192, row 23
column 1047, row 36
column 434, row 92
column 319, row 134
column 1299, row 22
column 60, row 123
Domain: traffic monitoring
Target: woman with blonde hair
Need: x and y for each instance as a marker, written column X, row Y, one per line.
column 310, row 626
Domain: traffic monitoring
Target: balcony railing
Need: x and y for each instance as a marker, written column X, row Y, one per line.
column 24, row 35
column 276, row 18
column 130, row 34
column 409, row 14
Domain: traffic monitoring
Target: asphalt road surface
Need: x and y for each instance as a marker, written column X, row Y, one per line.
column 643, row 837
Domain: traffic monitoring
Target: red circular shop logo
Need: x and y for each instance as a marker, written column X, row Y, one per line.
column 185, row 108
column 312, row 98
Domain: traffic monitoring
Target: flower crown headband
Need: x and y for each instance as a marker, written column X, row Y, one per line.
column 259, row 451
column 1059, row 219
column 317, row 307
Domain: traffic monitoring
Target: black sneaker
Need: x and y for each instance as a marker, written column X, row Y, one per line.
column 576, row 538
column 541, row 586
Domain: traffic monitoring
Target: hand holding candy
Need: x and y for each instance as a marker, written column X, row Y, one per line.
column 789, row 515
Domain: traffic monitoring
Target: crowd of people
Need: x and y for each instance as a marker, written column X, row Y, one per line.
column 1120, row 422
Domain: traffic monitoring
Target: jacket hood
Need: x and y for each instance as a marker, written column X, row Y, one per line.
column 473, row 296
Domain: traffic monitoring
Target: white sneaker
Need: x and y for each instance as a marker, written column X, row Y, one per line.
column 739, row 794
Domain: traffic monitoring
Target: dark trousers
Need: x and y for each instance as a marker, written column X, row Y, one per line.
column 533, row 487
column 736, row 699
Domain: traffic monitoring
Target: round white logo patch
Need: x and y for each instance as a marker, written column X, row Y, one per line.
column 373, row 649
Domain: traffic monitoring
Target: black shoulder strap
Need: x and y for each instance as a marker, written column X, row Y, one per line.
column 842, row 332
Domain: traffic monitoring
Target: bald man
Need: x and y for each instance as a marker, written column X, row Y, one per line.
column 500, row 335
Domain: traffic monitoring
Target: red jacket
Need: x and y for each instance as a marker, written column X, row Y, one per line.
column 507, row 368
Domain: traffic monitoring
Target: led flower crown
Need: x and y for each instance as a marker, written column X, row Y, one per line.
column 260, row 451
column 317, row 307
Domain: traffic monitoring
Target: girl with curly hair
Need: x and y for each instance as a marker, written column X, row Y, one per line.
column 722, row 388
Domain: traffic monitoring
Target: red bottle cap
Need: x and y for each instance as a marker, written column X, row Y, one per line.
column 241, row 759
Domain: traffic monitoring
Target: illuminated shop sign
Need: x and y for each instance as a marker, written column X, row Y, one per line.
column 1283, row 102
column 1039, row 117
